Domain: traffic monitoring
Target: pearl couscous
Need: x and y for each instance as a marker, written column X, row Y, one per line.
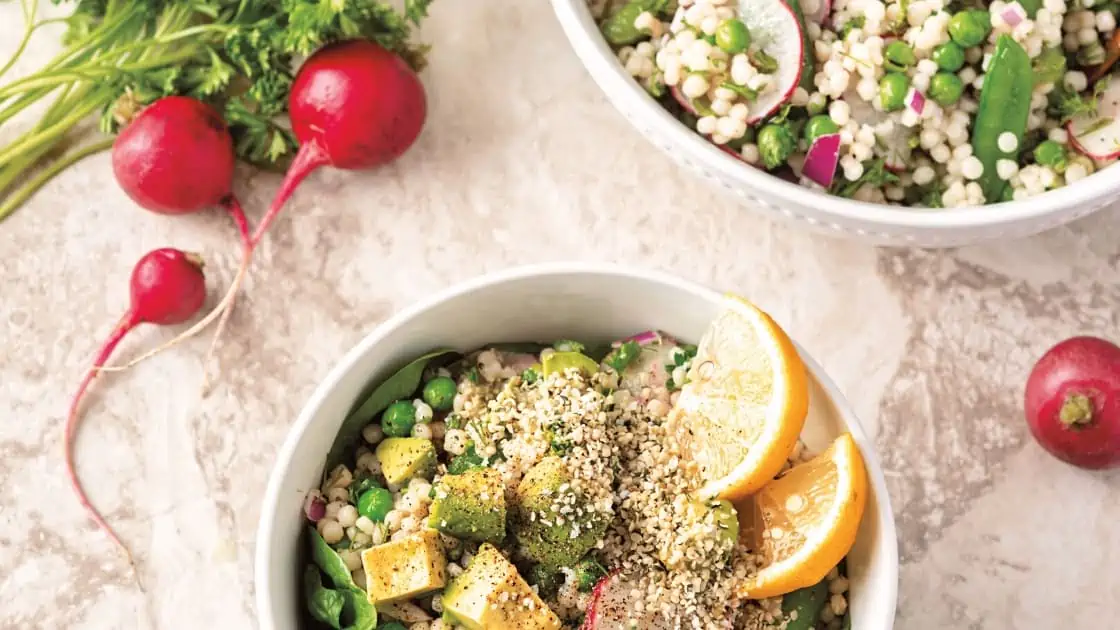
column 923, row 103
column 523, row 486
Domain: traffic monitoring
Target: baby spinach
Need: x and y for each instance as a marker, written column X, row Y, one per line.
column 400, row 385
column 807, row 604
column 345, row 607
column 330, row 562
column 324, row 604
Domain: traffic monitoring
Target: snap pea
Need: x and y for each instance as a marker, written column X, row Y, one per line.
column 1005, row 104
column 619, row 29
column 806, row 45
column 802, row 608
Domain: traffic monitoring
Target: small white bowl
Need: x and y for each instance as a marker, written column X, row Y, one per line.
column 869, row 222
column 539, row 303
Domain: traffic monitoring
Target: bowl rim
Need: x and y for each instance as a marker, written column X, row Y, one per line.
column 262, row 562
column 598, row 58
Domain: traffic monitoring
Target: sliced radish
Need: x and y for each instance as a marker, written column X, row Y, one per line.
column 612, row 605
column 916, row 101
column 821, row 160
column 1098, row 136
column 775, row 27
column 684, row 101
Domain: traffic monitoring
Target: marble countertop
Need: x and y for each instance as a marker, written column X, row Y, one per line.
column 522, row 160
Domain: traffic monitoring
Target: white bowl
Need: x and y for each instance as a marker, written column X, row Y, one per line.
column 779, row 199
column 539, row 303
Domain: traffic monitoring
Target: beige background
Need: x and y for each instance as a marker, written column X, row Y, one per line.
column 523, row 160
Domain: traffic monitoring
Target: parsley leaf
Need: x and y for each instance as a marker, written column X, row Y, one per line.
column 875, row 173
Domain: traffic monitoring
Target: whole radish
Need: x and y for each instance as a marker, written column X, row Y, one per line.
column 353, row 105
column 1073, row 402
column 177, row 157
column 167, row 287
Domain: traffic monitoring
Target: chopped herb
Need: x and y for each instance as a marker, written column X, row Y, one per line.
column 875, row 174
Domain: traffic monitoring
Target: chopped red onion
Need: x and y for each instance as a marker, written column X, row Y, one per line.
column 822, row 158
column 916, row 101
column 315, row 506
column 1013, row 15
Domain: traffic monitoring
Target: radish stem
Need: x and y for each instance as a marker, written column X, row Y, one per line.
column 127, row 323
column 23, row 193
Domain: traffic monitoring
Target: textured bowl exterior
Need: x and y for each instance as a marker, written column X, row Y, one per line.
column 593, row 302
column 872, row 223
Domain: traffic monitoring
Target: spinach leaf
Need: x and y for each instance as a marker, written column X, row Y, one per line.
column 324, row 604
column 802, row 608
column 331, row 563
column 357, row 612
column 400, row 385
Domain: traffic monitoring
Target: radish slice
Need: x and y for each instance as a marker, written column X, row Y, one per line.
column 916, row 101
column 612, row 605
column 645, row 338
column 685, row 102
column 1013, row 14
column 778, row 33
column 821, row 160
column 1098, row 136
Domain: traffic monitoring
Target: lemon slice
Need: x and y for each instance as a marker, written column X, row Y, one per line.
column 744, row 403
column 804, row 522
column 557, row 362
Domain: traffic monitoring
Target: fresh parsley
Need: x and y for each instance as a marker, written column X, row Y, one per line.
column 875, row 174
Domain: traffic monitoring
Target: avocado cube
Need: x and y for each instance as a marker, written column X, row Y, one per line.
column 491, row 595
column 553, row 524
column 471, row 506
column 404, row 458
column 405, row 568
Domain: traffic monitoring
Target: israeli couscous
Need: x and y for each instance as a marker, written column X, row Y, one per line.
column 924, row 103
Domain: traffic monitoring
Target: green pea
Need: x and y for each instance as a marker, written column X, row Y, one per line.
column 946, row 88
column 392, row 625
column 1050, row 153
column 900, row 54
column 439, row 393
column 970, row 28
column 733, row 37
column 398, row 419
column 892, row 91
column 375, row 503
column 949, row 56
column 818, row 126
column 588, row 574
column 775, row 144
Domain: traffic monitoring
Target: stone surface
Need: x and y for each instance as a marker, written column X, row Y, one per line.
column 522, row 160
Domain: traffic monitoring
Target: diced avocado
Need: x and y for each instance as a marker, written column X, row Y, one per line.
column 470, row 506
column 552, row 522
column 405, row 568
column 491, row 595
column 557, row 362
column 723, row 530
column 404, row 458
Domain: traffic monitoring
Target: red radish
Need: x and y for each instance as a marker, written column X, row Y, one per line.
column 821, row 160
column 1098, row 135
column 353, row 105
column 778, row 32
column 1073, row 402
column 176, row 157
column 167, row 287
column 612, row 607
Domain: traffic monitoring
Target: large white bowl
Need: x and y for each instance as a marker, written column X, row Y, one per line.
column 779, row 199
column 539, row 303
